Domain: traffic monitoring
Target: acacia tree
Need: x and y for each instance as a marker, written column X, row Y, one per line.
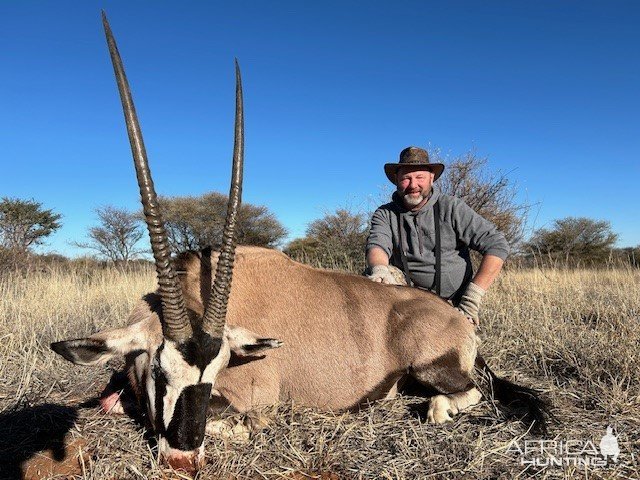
column 25, row 223
column 343, row 231
column 194, row 222
column 336, row 240
column 574, row 239
column 116, row 236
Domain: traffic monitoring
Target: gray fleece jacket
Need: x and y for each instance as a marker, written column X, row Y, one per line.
column 461, row 228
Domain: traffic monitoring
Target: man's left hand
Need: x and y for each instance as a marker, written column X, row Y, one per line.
column 470, row 303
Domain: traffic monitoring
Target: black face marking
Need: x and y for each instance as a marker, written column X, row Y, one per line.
column 187, row 426
column 81, row 350
column 261, row 344
column 160, row 381
column 200, row 349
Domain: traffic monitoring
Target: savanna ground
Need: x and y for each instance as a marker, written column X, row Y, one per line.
column 573, row 334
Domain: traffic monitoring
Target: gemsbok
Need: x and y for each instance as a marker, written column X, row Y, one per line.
column 197, row 344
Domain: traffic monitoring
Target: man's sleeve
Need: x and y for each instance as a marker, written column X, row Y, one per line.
column 380, row 232
column 477, row 232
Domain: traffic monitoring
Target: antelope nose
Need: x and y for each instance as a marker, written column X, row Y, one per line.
column 189, row 462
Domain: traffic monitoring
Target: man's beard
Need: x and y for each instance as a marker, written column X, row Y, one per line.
column 411, row 201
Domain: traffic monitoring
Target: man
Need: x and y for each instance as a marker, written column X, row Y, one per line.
column 404, row 234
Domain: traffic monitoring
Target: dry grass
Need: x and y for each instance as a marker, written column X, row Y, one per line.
column 573, row 334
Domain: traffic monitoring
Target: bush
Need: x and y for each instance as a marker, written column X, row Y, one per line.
column 196, row 222
column 24, row 223
column 573, row 241
column 335, row 241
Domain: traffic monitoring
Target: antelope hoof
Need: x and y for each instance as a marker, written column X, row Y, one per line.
column 440, row 410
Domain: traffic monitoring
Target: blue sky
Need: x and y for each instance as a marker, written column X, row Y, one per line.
column 547, row 90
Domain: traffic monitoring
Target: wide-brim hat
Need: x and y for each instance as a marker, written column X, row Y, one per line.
column 413, row 157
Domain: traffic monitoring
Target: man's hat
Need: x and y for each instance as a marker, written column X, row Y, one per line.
column 413, row 157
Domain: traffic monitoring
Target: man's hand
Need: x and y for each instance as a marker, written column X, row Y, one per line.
column 387, row 274
column 470, row 303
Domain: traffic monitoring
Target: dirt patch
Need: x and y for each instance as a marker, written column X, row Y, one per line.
column 48, row 464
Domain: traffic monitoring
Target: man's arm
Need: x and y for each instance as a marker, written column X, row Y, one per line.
column 377, row 256
column 483, row 236
column 488, row 271
column 472, row 298
column 379, row 248
column 378, row 262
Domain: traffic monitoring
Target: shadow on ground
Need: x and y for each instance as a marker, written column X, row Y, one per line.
column 30, row 432
column 35, row 441
column 413, row 388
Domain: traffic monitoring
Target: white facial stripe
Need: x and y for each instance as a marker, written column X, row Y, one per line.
column 166, row 449
column 169, row 404
column 221, row 361
column 179, row 375
column 151, row 399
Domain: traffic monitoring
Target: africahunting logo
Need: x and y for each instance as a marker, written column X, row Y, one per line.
column 549, row 453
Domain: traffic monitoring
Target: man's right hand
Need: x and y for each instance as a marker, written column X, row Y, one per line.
column 383, row 274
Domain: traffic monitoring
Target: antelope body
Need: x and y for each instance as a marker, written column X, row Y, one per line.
column 347, row 340
column 197, row 343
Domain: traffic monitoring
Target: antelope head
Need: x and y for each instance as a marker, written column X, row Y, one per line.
column 180, row 369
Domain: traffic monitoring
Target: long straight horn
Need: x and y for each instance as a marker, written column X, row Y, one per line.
column 175, row 322
column 215, row 314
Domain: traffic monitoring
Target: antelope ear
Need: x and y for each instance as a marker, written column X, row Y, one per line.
column 102, row 346
column 83, row 351
column 245, row 343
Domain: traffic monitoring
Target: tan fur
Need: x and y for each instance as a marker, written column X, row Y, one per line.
column 347, row 340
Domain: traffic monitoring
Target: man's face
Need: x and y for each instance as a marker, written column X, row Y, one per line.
column 414, row 185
